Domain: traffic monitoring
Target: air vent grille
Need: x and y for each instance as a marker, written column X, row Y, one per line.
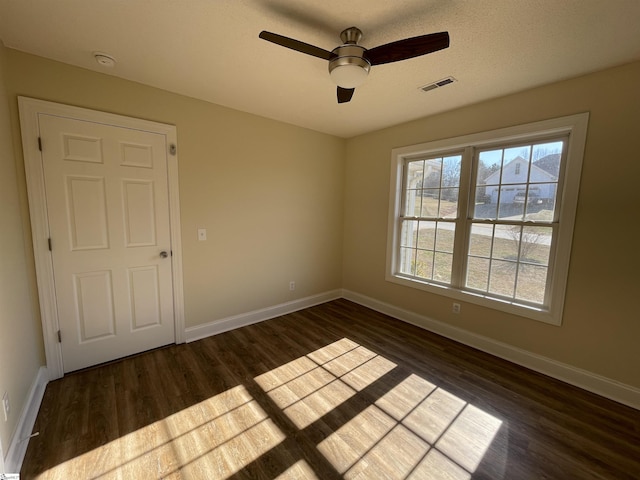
column 437, row 84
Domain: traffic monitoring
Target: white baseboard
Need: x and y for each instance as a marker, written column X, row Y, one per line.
column 619, row 392
column 20, row 440
column 230, row 323
column 592, row 382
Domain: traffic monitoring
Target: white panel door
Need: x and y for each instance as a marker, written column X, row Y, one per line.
column 108, row 211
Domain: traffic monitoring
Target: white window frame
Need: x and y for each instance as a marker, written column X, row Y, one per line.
column 575, row 126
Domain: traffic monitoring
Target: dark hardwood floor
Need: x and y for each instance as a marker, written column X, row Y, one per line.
column 334, row 391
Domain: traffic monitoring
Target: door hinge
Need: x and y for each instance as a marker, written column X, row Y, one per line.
column 49, row 242
column 39, row 143
column 59, row 336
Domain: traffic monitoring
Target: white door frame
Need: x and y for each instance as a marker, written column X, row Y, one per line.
column 1, row 458
column 29, row 110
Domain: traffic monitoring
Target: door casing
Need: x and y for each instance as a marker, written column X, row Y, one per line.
column 29, row 110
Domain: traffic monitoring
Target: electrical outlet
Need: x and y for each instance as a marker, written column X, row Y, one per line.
column 292, row 285
column 202, row 234
column 5, row 406
column 455, row 308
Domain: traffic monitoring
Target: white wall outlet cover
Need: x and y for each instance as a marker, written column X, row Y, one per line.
column 202, row 234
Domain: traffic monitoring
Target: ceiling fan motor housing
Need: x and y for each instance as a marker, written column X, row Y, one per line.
column 351, row 35
column 349, row 69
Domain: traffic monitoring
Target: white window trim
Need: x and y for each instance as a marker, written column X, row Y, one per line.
column 576, row 127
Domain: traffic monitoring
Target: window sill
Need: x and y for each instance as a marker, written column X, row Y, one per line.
column 513, row 308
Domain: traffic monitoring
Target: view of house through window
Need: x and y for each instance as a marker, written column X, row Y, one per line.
column 482, row 219
column 513, row 220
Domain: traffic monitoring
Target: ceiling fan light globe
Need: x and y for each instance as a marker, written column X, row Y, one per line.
column 349, row 75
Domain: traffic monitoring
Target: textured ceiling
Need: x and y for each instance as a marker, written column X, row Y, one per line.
column 209, row 49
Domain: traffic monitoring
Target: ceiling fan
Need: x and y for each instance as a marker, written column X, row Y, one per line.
column 349, row 63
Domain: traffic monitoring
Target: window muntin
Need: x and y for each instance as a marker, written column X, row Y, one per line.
column 507, row 245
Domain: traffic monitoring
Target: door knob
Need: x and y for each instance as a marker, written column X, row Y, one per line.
column 163, row 254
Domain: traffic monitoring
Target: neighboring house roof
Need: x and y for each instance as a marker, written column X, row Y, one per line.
column 550, row 164
column 546, row 167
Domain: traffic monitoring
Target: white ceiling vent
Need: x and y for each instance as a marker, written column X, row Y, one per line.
column 438, row 84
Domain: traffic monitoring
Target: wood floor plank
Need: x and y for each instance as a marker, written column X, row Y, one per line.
column 336, row 391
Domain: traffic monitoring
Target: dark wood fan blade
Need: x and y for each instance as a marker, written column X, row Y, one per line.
column 296, row 45
column 345, row 94
column 407, row 48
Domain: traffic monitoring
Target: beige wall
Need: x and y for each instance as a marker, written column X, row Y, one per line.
column 269, row 194
column 279, row 205
column 20, row 333
column 601, row 326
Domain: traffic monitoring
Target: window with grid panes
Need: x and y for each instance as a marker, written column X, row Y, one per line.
column 488, row 218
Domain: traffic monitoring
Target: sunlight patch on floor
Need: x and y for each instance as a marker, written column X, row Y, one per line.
column 437, row 466
column 467, row 439
column 373, row 445
column 215, row 438
column 415, row 431
column 298, row 471
column 309, row 387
